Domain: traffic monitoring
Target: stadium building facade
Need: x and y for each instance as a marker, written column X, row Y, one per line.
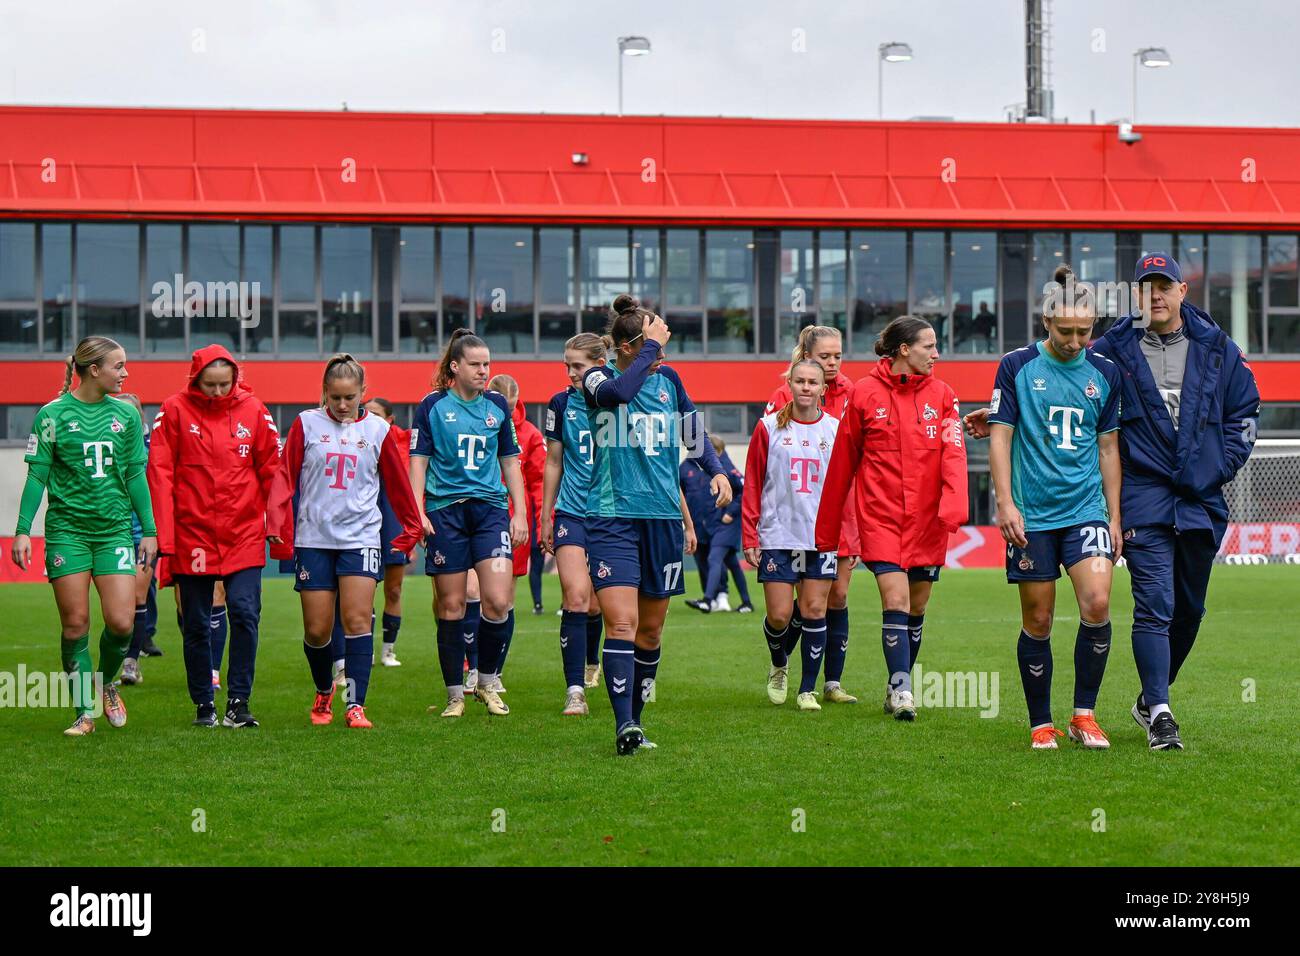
column 288, row 236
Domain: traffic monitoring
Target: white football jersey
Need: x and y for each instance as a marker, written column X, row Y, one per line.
column 797, row 456
column 338, row 485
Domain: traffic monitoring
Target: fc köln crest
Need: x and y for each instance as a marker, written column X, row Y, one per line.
column 241, row 431
column 116, row 426
column 490, row 421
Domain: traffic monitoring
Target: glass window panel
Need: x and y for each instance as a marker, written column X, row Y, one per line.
column 556, row 261
column 1156, row 242
column 18, row 330
column 683, row 310
column 214, row 264
column 796, row 300
column 833, row 279
column 974, row 292
column 1282, row 284
column 298, row 264
column 387, row 250
column 416, row 246
column 1284, row 334
column 729, row 274
column 165, row 302
column 20, row 419
column 606, row 273
column 346, row 289
column 455, row 278
column 18, row 261
column 930, row 298
column 726, row 420
column 646, row 271
column 1092, row 256
column 56, row 266
column 108, row 278
column 257, row 273
column 1191, row 263
column 418, row 330
column 879, row 261
column 503, row 284
column 1014, row 255
column 1235, row 287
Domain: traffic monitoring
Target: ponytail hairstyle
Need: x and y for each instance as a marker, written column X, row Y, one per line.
column 460, row 340
column 91, row 350
column 785, row 414
column 904, row 330
column 807, row 341
column 593, row 346
column 1065, row 293
column 505, row 384
column 626, row 320
column 342, row 366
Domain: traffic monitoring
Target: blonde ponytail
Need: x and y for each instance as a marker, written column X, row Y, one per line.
column 91, row 350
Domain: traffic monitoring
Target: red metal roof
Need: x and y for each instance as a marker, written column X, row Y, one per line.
column 295, row 382
column 141, row 163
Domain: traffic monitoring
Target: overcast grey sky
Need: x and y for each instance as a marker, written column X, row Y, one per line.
column 1234, row 63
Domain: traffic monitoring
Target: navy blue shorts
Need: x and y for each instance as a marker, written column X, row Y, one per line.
column 319, row 569
column 570, row 531
column 465, row 533
column 389, row 530
column 791, row 567
column 641, row 553
column 922, row 572
column 1049, row 551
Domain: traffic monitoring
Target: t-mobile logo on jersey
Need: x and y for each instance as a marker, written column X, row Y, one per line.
column 98, row 459
column 805, row 472
column 340, row 466
column 1068, row 429
column 472, row 449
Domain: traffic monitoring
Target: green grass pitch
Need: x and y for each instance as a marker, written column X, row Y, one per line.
column 734, row 781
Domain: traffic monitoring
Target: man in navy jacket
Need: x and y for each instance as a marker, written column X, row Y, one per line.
column 1188, row 415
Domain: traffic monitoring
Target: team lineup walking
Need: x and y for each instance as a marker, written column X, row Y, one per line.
column 1087, row 458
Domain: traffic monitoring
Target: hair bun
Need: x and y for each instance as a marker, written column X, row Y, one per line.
column 1063, row 272
column 625, row 303
column 880, row 345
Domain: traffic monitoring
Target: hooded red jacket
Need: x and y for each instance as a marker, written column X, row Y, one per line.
column 211, row 464
column 836, row 403
column 532, row 462
column 899, row 449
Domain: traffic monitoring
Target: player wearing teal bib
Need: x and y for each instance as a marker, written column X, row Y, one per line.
column 87, row 450
column 1054, row 456
column 640, row 417
column 563, row 523
column 464, row 445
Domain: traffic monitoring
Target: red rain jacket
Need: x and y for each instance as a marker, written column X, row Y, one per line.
column 899, row 449
column 211, row 464
column 532, row 462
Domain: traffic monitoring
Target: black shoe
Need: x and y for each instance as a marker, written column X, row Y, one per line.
column 538, row 609
column 1142, row 714
column 150, row 649
column 1163, row 734
column 237, row 714
column 629, row 739
column 207, row 716
column 700, row 605
column 745, row 608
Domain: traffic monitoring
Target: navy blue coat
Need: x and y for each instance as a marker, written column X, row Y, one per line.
column 695, row 486
column 727, row 534
column 1176, row 477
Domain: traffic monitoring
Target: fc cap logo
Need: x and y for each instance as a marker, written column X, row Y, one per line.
column 1158, row 264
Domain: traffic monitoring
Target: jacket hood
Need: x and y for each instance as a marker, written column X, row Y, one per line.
column 517, row 414
column 204, row 357
column 899, row 383
column 1198, row 325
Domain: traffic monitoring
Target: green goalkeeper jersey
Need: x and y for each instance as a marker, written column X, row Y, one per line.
column 90, row 451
